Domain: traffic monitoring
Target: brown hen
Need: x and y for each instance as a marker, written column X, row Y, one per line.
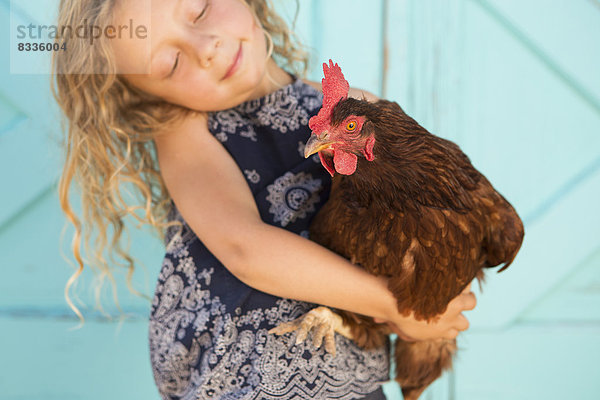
column 410, row 206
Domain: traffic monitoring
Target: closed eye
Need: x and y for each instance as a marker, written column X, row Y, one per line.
column 202, row 12
column 174, row 66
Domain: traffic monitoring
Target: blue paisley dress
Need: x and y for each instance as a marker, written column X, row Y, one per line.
column 208, row 330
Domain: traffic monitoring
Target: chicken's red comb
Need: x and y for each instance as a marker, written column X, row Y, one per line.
column 335, row 88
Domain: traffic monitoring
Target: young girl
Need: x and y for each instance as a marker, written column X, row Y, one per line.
column 213, row 139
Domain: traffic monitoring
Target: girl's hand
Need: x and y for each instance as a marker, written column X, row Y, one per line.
column 445, row 326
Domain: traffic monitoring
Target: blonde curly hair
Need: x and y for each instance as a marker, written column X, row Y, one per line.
column 110, row 127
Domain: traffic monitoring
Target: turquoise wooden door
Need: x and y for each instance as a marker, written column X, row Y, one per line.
column 514, row 83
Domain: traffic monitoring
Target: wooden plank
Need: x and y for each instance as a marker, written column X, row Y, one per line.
column 29, row 165
column 27, row 156
column 29, row 93
column 562, row 238
column 547, row 167
column 42, row 12
column 99, row 361
column 398, row 38
column 576, row 299
column 9, row 116
column 304, row 10
column 529, row 361
column 508, row 98
column 35, row 272
column 563, row 34
column 348, row 32
column 473, row 100
column 426, row 67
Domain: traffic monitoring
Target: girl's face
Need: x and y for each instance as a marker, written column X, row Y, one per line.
column 206, row 55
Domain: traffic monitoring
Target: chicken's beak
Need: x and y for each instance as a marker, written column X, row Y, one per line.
column 315, row 144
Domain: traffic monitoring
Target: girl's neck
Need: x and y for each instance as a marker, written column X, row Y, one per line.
column 274, row 79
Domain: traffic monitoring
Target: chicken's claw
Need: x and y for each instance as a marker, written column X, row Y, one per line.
column 322, row 322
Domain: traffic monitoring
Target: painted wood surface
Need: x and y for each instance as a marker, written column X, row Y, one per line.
column 514, row 83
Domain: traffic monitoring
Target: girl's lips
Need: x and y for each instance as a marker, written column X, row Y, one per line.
column 235, row 65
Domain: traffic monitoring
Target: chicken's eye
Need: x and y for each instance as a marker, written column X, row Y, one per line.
column 351, row 126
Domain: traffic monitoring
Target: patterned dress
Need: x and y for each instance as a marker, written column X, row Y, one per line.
column 208, row 330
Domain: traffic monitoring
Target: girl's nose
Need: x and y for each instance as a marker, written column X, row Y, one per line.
column 206, row 49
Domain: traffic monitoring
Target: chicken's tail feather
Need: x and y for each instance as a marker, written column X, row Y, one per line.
column 505, row 235
column 480, row 276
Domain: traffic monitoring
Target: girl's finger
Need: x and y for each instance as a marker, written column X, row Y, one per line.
column 469, row 301
column 451, row 334
column 463, row 323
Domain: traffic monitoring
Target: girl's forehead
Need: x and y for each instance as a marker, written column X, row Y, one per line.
column 130, row 35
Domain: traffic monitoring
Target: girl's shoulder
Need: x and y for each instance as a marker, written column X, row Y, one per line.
column 354, row 92
column 179, row 144
column 177, row 133
column 316, row 85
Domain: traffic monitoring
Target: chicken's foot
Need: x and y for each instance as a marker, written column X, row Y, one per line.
column 322, row 322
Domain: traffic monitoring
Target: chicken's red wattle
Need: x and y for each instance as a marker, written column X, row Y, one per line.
column 345, row 163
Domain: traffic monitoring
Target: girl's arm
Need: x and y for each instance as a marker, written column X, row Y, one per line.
column 214, row 199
